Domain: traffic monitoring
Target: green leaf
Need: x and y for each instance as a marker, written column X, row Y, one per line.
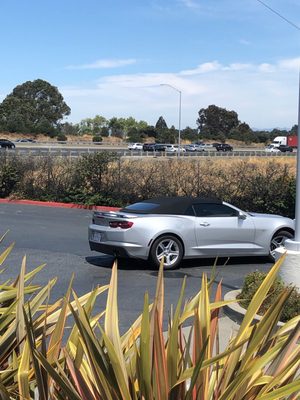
column 282, row 392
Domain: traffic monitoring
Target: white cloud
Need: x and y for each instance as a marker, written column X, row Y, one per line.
column 203, row 68
column 105, row 63
column 266, row 67
column 190, row 4
column 244, row 42
column 215, row 66
column 264, row 95
column 292, row 64
column 237, row 67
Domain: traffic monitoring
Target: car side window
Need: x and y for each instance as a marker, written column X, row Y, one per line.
column 214, row 210
column 190, row 211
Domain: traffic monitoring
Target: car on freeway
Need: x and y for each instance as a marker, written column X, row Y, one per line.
column 148, row 146
column 272, row 149
column 224, row 147
column 207, row 145
column 25, row 141
column 160, row 147
column 190, row 148
column 194, row 147
column 285, row 148
column 172, row 148
column 135, row 146
column 176, row 228
column 7, row 144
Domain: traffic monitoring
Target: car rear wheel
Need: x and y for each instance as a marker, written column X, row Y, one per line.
column 278, row 240
column 168, row 247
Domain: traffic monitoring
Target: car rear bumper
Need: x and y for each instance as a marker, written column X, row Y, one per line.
column 124, row 250
column 108, row 249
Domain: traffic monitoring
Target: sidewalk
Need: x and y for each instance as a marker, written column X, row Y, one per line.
column 227, row 329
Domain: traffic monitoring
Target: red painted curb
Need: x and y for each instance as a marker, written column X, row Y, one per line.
column 56, row 204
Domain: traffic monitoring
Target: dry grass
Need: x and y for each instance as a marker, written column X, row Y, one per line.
column 256, row 184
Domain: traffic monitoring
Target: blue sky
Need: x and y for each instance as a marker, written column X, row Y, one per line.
column 110, row 57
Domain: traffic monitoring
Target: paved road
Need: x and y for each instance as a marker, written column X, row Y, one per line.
column 58, row 237
column 77, row 150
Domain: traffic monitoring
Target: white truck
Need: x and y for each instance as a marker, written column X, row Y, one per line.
column 290, row 140
column 279, row 140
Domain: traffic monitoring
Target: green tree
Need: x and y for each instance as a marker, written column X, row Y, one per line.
column 134, row 135
column 69, row 129
column 189, row 134
column 85, row 126
column 294, row 130
column 168, row 135
column 262, row 136
column 116, row 126
column 99, row 122
column 161, row 124
column 243, row 132
column 148, row 131
column 214, row 121
column 105, row 131
column 39, row 104
column 93, row 126
column 278, row 132
column 163, row 133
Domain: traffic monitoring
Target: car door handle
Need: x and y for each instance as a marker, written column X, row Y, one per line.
column 204, row 224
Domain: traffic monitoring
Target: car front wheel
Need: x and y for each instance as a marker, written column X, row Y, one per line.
column 278, row 240
column 170, row 249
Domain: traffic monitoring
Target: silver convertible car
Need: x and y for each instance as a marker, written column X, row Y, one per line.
column 176, row 228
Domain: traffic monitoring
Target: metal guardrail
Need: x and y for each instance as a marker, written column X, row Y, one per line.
column 69, row 152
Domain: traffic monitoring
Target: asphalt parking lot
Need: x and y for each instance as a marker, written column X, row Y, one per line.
column 58, row 237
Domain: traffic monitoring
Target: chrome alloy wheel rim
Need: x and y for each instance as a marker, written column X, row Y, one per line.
column 169, row 250
column 276, row 242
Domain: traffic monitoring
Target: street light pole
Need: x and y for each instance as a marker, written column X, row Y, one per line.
column 290, row 267
column 297, row 208
column 179, row 115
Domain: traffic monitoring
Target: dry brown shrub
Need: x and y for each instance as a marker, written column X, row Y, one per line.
column 249, row 183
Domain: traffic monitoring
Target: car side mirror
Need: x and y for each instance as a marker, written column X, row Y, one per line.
column 242, row 215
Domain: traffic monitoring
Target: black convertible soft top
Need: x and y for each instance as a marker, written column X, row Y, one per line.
column 167, row 205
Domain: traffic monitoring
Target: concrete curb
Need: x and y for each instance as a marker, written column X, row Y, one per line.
column 235, row 312
column 60, row 205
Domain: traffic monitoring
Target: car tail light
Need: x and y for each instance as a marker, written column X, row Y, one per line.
column 121, row 224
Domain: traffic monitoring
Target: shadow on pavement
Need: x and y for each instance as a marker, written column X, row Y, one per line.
column 106, row 261
column 186, row 269
column 209, row 262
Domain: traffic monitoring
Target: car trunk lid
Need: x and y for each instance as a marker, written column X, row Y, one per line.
column 103, row 218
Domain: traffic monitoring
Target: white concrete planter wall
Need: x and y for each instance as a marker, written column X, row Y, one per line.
column 235, row 312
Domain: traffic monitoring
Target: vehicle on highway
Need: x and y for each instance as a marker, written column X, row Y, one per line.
column 160, row 147
column 290, row 140
column 224, row 147
column 172, row 148
column 148, row 146
column 205, row 146
column 7, row 144
column 194, row 147
column 272, row 149
column 25, row 141
column 285, row 148
column 176, row 228
column 135, row 146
